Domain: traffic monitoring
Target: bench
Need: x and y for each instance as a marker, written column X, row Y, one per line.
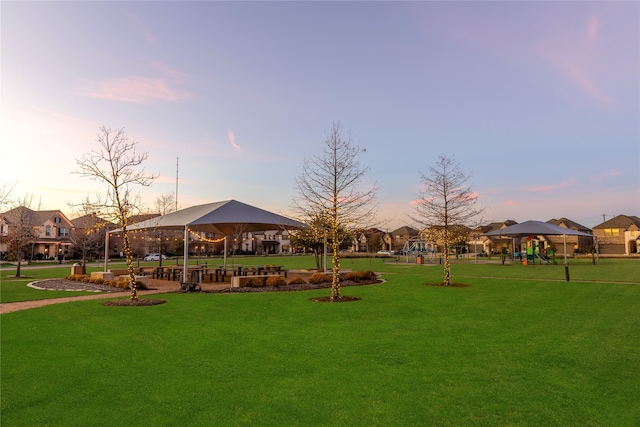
column 190, row 287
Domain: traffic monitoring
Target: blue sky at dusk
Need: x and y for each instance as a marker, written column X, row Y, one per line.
column 539, row 100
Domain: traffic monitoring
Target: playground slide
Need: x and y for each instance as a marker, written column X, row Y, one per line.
column 543, row 259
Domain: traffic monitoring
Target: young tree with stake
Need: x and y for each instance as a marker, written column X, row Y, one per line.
column 329, row 193
column 117, row 164
column 445, row 205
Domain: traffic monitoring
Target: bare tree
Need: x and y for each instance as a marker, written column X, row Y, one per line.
column 5, row 194
column 446, row 205
column 87, row 235
column 330, row 191
column 314, row 237
column 117, row 164
column 165, row 204
column 5, row 200
column 21, row 228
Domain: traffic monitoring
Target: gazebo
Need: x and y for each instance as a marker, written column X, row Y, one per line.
column 538, row 228
column 225, row 217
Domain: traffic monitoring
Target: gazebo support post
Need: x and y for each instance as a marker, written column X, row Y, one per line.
column 225, row 252
column 566, row 266
column 106, row 250
column 185, row 268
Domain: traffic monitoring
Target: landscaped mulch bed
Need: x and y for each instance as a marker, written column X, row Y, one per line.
column 73, row 285
column 67, row 285
column 293, row 288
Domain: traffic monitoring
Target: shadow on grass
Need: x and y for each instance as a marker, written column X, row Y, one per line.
column 134, row 303
column 452, row 285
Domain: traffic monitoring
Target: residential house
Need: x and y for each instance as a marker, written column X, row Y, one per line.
column 274, row 242
column 574, row 244
column 369, row 240
column 45, row 234
column 88, row 236
column 492, row 245
column 458, row 236
column 620, row 236
column 396, row 240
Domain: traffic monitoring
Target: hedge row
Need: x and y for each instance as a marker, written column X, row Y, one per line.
column 122, row 284
column 315, row 279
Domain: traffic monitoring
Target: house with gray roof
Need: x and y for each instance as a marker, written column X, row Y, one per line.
column 43, row 234
column 575, row 244
column 618, row 236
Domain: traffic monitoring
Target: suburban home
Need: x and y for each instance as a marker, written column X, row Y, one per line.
column 575, row 244
column 369, row 240
column 40, row 234
column 274, row 242
column 88, row 236
column 396, row 240
column 488, row 245
column 618, row 236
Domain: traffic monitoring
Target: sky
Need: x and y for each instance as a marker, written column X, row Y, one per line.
column 537, row 101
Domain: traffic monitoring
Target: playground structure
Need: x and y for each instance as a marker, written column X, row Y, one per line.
column 417, row 247
column 533, row 252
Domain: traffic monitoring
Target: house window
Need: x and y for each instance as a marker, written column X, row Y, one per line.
column 47, row 230
column 63, row 232
column 612, row 232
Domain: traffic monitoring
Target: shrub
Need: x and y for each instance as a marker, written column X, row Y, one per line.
column 317, row 278
column 359, row 275
column 297, row 281
column 255, row 282
column 351, row 275
column 276, row 281
column 368, row 275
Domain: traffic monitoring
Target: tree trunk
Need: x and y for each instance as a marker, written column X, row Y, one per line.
column 129, row 258
column 335, row 283
column 447, row 264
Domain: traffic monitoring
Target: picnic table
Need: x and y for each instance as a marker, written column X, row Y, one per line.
column 190, row 287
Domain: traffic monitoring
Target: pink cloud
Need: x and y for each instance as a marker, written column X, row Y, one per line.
column 139, row 26
column 578, row 72
column 579, row 58
column 168, row 72
column 607, row 174
column 137, row 90
column 232, row 140
column 542, row 188
column 593, row 28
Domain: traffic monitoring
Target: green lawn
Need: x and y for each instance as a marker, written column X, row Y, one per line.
column 519, row 346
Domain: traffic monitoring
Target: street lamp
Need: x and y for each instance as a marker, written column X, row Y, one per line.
column 475, row 246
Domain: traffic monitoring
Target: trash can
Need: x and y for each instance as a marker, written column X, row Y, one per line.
column 420, row 259
column 76, row 269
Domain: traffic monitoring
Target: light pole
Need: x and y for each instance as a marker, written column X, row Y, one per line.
column 475, row 246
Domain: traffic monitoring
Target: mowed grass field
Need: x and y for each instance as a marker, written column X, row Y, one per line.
column 518, row 346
